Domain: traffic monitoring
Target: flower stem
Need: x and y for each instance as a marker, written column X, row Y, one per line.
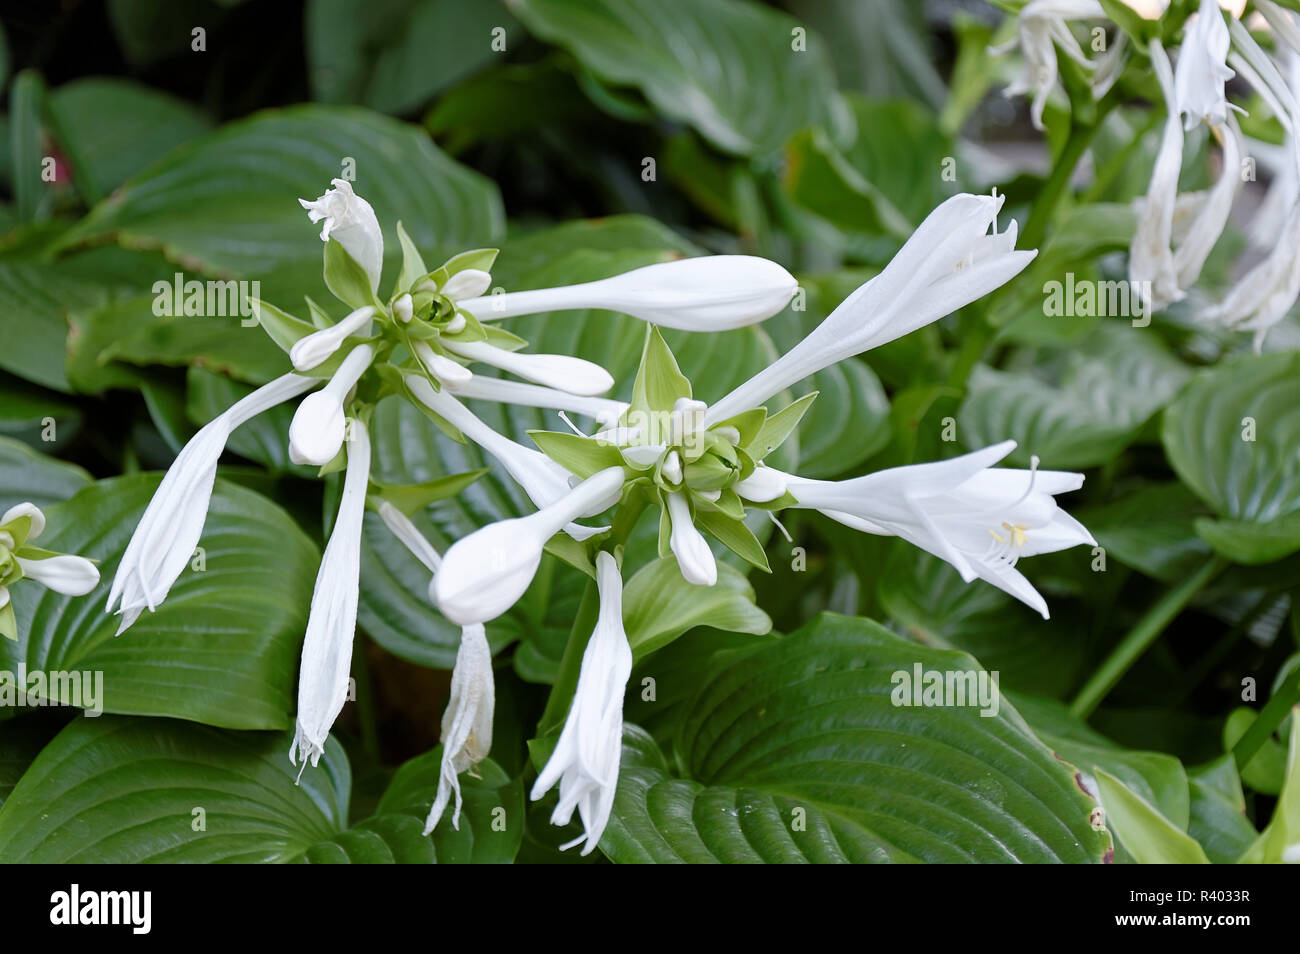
column 1269, row 718
column 1062, row 172
column 1140, row 638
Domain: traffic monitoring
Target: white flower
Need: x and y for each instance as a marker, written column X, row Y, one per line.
column 66, row 574
column 979, row 519
column 318, row 427
column 947, row 263
column 586, row 756
column 602, row 410
column 411, row 538
column 713, row 293
column 164, row 540
column 1041, row 27
column 467, row 283
column 1194, row 222
column 559, row 371
column 315, row 348
column 467, row 723
column 543, row 480
column 447, row 371
column 694, row 558
column 1202, row 69
column 485, row 573
column 351, row 222
column 332, row 623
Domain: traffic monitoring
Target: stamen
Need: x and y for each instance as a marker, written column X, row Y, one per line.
column 780, row 526
column 573, row 427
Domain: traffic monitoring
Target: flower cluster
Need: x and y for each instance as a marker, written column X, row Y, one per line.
column 1176, row 231
column 702, row 466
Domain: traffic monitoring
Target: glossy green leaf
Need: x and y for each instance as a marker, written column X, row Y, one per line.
column 223, row 649
column 796, row 752
column 1148, row 835
column 659, row 606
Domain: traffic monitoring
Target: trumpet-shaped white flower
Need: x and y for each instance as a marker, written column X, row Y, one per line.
column 315, row 348
column 1041, row 27
column 713, row 293
column 586, row 757
column 694, row 558
column 1202, row 69
column 485, row 573
column 560, row 371
column 978, row 518
column 949, row 261
column 467, row 723
column 332, row 623
column 319, row 425
column 1151, row 258
column 351, row 222
column 167, row 534
column 602, row 410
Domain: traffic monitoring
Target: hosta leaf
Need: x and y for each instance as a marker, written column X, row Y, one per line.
column 658, row 605
column 228, row 202
column 123, row 790
column 223, row 649
column 1280, row 841
column 729, row 68
column 1231, row 436
column 1152, row 529
column 1149, row 836
column 795, row 752
column 29, row 477
column 1081, row 411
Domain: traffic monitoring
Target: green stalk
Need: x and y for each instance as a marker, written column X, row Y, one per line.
column 1269, row 718
column 366, row 719
column 566, row 681
column 1140, row 638
column 1062, row 172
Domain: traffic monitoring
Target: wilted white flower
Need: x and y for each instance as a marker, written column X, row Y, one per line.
column 485, row 573
column 712, row 293
column 978, row 518
column 586, row 757
column 1041, row 27
column 949, row 261
column 1202, row 69
column 164, row 540
column 467, row 723
column 332, row 623
column 351, row 222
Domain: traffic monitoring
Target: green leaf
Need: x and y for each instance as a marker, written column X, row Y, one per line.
column 120, row 790
column 1078, row 411
column 580, row 455
column 110, row 129
column 345, row 277
column 659, row 382
column 659, row 606
column 929, row 600
column 1149, row 836
column 678, row 52
column 27, row 99
column 410, row 498
column 777, row 427
column 1151, row 528
column 1229, row 437
column 1218, row 812
column 228, row 201
column 223, row 648
column 795, row 752
column 735, row 535
column 29, row 477
column 283, row 328
column 400, row 53
column 413, row 267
